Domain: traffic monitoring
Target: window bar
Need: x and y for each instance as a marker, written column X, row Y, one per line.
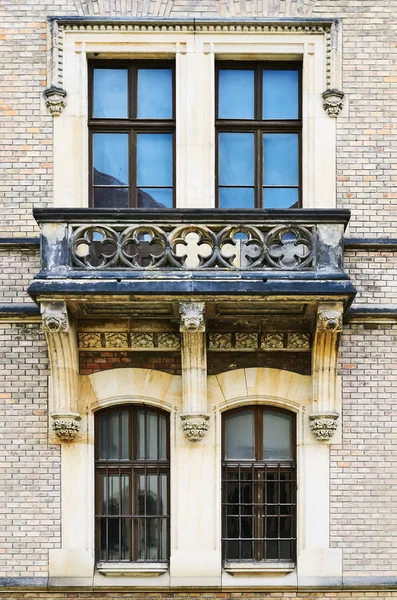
column 253, row 525
column 239, row 511
column 264, row 504
column 278, row 486
column 119, row 482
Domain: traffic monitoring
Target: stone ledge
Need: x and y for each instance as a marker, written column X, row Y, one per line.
column 137, row 569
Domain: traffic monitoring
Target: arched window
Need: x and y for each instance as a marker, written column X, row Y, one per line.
column 259, row 485
column 132, row 470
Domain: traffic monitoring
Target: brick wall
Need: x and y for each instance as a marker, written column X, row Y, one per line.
column 363, row 468
column 17, row 269
column 29, row 467
column 374, row 275
column 92, row 362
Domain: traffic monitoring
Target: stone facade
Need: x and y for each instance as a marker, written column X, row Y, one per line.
column 35, row 544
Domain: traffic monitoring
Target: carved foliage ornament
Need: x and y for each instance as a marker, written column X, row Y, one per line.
column 329, row 321
column 54, row 98
column 55, row 317
column 333, row 102
column 323, row 426
column 192, row 316
column 66, row 426
column 195, row 426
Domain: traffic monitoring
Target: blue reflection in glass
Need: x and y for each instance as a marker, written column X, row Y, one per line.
column 280, row 159
column 236, row 159
column 236, row 198
column 110, row 158
column 111, row 93
column 280, row 198
column 155, row 198
column 155, row 93
column 236, row 94
column 111, row 197
column 280, row 94
column 154, row 159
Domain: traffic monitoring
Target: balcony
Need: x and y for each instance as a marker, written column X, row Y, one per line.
column 274, row 253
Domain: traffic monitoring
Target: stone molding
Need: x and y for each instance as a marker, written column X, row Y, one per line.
column 323, row 426
column 54, row 99
column 195, row 426
column 66, row 426
column 329, row 320
column 333, row 102
column 192, row 317
column 55, row 317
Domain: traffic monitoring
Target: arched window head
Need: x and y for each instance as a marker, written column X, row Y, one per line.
column 132, row 470
column 259, row 485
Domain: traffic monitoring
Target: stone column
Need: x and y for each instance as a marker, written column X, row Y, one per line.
column 194, row 370
column 323, row 420
column 63, row 353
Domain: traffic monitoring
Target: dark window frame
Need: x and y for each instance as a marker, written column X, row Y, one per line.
column 133, row 467
column 259, row 469
column 257, row 125
column 132, row 125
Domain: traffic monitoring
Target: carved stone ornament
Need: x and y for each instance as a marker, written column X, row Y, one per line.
column 65, row 427
column 195, row 426
column 192, row 316
column 333, row 102
column 329, row 321
column 54, row 98
column 55, row 317
column 323, row 426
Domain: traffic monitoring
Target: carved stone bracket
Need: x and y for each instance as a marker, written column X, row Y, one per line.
column 323, row 427
column 195, row 426
column 64, row 384
column 333, row 102
column 54, row 98
column 194, row 370
column 55, row 317
column 323, row 420
column 192, row 317
column 66, row 426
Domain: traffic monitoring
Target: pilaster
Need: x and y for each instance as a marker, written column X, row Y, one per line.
column 324, row 416
column 63, row 353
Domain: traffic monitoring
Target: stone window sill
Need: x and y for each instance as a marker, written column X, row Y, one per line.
column 140, row 569
column 259, row 568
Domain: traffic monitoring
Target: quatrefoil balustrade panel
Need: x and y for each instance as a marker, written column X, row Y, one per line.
column 183, row 245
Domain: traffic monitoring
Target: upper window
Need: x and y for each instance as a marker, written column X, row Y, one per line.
column 259, row 485
column 259, row 123
column 132, row 131
column 132, row 484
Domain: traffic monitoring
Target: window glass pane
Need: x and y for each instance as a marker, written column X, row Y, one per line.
column 154, row 159
column 114, row 435
column 236, row 159
column 125, row 434
column 280, row 198
column 236, row 94
column 110, row 93
column 151, row 435
column 277, row 435
column 125, row 539
column 162, row 437
column 110, row 158
column 103, row 438
column 239, row 431
column 111, row 197
column 141, row 434
column 155, row 198
column 280, row 159
column 155, row 93
column 236, row 198
column 280, row 94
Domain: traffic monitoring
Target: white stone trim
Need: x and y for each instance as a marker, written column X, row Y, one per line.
column 195, row 48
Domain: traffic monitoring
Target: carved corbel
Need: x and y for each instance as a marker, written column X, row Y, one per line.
column 323, row 420
column 54, row 98
column 333, row 102
column 194, row 370
column 63, row 353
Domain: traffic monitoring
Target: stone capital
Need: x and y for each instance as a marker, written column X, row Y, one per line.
column 66, row 426
column 192, row 317
column 55, row 317
column 54, row 98
column 333, row 102
column 195, row 426
column 323, row 426
column 329, row 321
